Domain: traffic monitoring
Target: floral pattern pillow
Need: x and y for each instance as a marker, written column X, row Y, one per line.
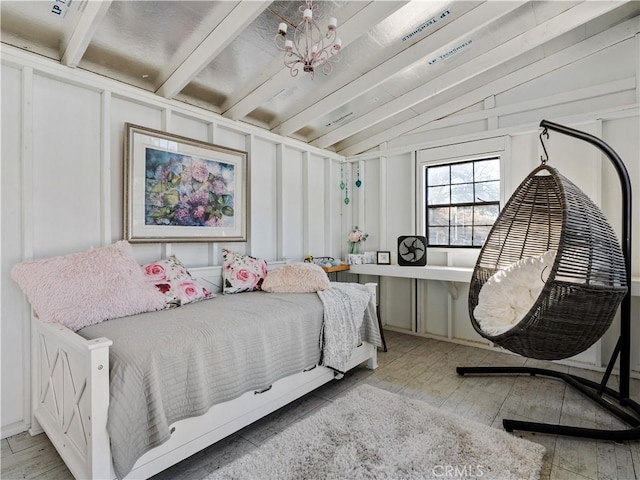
column 174, row 281
column 242, row 273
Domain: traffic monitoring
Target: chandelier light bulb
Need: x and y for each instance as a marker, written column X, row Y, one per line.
column 306, row 48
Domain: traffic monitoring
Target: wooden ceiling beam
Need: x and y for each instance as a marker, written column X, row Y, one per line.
column 240, row 17
column 78, row 43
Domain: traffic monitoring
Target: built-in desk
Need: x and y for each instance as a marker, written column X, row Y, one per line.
column 447, row 275
column 454, row 331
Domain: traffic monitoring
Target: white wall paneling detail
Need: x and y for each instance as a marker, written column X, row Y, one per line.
column 382, row 205
column 292, row 205
column 12, row 239
column 280, row 148
column 306, row 203
column 329, row 207
column 265, row 207
column 27, row 231
column 105, row 167
column 358, row 173
column 252, row 183
column 316, row 194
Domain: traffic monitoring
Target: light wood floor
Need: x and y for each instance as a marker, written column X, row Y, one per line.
column 423, row 369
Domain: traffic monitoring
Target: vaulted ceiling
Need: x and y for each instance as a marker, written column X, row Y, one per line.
column 399, row 59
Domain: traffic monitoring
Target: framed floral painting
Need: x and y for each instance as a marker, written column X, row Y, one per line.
column 182, row 190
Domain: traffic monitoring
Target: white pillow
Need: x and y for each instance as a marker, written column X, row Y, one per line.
column 296, row 278
column 510, row 293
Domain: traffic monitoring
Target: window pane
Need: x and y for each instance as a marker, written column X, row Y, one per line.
column 438, row 195
column 461, row 235
column 461, row 216
column 462, row 202
column 488, row 191
column 438, row 175
column 462, row 173
column 487, row 170
column 480, row 235
column 439, row 216
column 485, row 214
column 462, row 193
column 438, row 235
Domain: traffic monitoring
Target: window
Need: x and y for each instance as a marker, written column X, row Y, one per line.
column 462, row 201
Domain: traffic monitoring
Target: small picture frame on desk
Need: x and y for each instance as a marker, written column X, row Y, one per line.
column 383, row 258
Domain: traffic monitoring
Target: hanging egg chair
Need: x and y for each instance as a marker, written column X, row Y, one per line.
column 584, row 283
column 584, row 276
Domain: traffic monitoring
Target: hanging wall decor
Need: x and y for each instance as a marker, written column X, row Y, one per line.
column 343, row 185
column 179, row 189
column 358, row 181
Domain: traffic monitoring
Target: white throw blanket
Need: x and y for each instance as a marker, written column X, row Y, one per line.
column 344, row 311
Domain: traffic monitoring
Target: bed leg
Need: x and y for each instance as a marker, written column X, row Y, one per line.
column 372, row 361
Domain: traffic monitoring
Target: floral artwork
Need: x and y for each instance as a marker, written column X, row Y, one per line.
column 188, row 191
column 179, row 189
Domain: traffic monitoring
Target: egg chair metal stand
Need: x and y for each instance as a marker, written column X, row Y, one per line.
column 576, row 306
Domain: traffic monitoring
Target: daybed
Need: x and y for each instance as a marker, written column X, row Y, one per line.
column 82, row 395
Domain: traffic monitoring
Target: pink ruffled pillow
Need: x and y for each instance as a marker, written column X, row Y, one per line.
column 171, row 278
column 242, row 273
column 86, row 288
column 296, row 278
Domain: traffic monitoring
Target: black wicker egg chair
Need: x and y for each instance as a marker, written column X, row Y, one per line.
column 590, row 278
column 587, row 282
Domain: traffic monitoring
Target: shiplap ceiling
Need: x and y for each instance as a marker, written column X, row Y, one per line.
column 399, row 61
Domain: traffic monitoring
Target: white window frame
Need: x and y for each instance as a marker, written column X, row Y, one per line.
column 448, row 154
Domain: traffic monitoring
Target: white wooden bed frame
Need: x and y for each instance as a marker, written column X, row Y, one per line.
column 70, row 400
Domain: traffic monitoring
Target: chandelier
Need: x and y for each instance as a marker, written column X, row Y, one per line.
column 309, row 49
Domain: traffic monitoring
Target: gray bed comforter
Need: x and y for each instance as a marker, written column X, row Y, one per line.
column 169, row 365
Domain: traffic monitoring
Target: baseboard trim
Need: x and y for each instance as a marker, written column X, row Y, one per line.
column 13, row 429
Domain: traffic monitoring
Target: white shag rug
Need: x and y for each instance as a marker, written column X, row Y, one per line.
column 372, row 433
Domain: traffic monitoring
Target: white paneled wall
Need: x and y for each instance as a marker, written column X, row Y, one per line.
column 62, row 187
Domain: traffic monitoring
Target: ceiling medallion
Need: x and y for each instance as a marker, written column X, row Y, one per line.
column 309, row 49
